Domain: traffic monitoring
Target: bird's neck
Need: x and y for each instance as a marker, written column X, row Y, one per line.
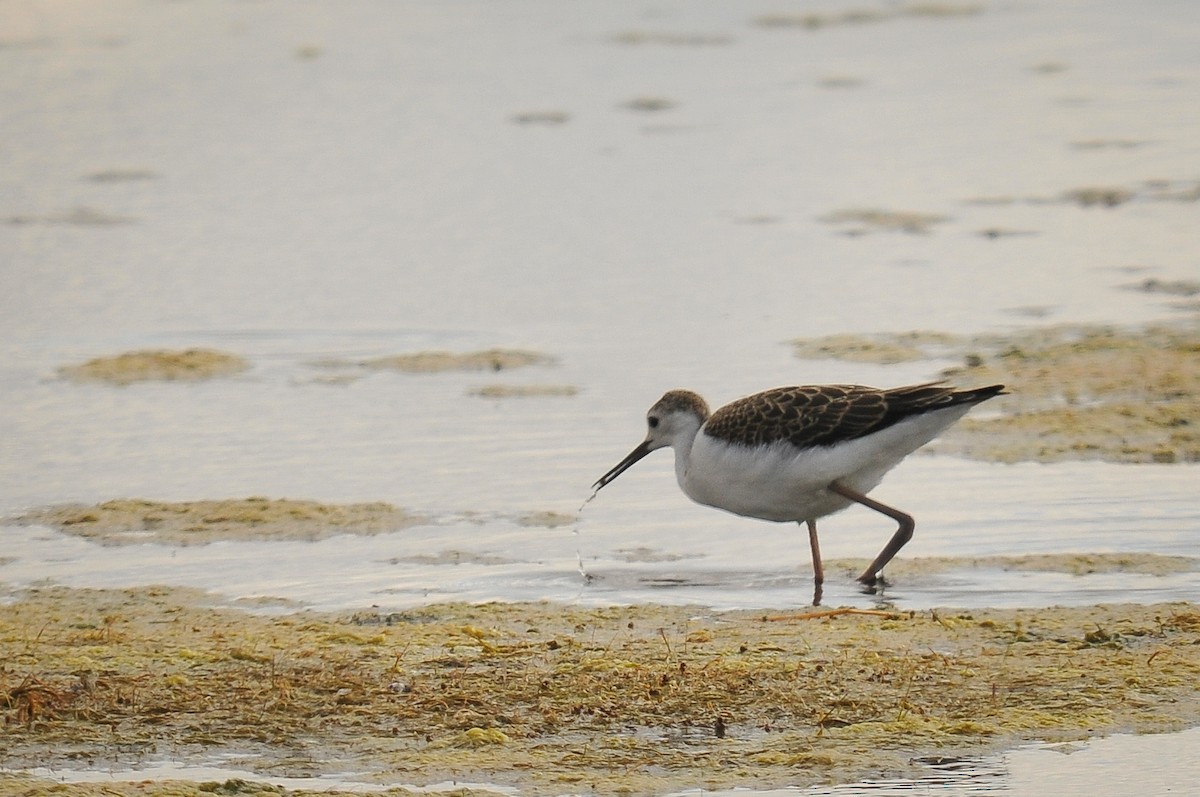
column 683, row 452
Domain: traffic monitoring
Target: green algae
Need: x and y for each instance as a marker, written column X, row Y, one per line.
column 188, row 365
column 135, row 520
column 639, row 699
column 1075, row 392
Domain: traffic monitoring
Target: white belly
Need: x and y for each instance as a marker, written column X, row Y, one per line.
column 782, row 483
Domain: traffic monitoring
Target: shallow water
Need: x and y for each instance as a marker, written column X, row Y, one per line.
column 349, row 180
column 1110, row 767
column 641, row 540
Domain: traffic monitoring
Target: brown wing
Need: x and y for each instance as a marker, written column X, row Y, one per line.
column 821, row 415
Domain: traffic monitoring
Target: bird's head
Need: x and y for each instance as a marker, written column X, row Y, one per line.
column 675, row 417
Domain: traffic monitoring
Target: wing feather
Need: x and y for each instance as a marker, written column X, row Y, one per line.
column 822, row 415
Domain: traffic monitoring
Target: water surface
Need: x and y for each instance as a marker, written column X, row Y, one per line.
column 349, row 180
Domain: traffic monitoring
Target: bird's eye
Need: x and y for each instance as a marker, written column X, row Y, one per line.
column 653, row 421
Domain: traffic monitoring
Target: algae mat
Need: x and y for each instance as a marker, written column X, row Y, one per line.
column 554, row 698
column 130, row 521
column 190, row 365
column 1075, row 392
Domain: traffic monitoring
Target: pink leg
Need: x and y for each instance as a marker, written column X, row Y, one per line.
column 903, row 533
column 818, row 568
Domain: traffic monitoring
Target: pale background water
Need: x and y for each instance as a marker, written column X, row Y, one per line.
column 298, row 181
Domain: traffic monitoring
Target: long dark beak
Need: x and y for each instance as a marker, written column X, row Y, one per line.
column 624, row 465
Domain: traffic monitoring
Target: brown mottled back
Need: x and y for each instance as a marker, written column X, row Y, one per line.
column 821, row 415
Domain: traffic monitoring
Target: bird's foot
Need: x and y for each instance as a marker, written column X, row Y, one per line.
column 872, row 584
